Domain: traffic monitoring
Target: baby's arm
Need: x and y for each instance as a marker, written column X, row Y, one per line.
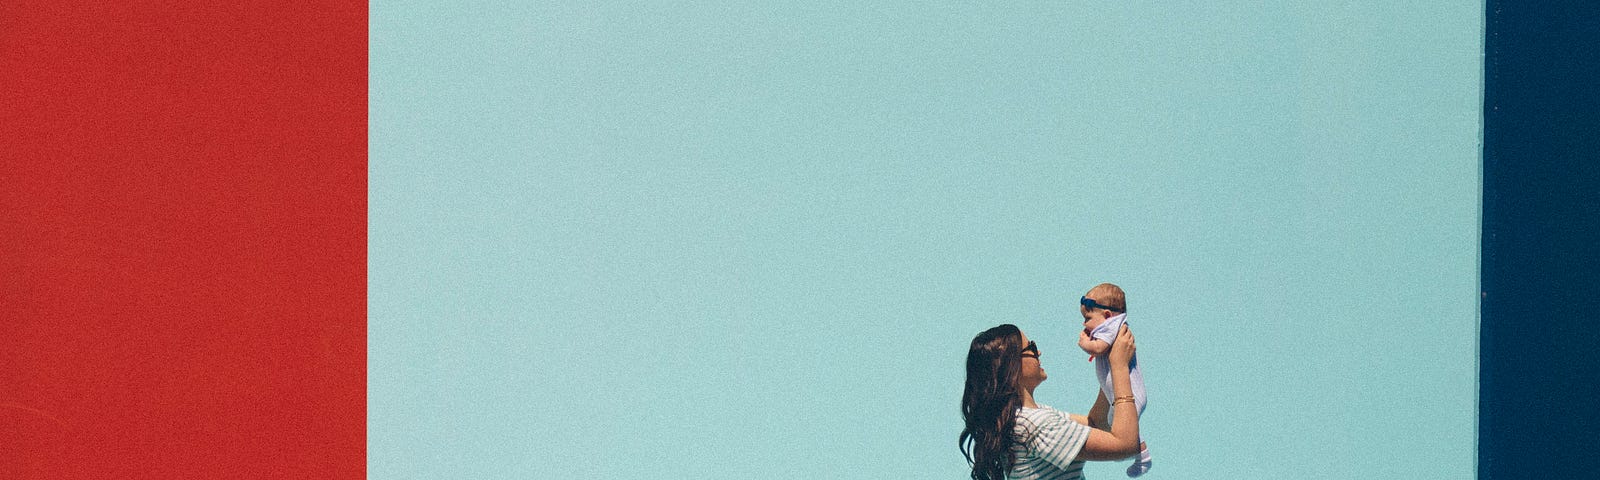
column 1091, row 346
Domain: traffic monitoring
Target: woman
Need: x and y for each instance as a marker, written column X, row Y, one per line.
column 1008, row 435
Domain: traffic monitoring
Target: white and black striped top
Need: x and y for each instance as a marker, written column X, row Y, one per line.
column 1048, row 442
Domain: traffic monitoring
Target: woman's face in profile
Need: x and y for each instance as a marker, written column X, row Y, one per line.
column 1032, row 371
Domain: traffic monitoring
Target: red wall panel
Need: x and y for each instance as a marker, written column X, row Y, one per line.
column 182, row 239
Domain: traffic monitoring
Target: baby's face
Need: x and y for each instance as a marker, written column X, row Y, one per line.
column 1092, row 320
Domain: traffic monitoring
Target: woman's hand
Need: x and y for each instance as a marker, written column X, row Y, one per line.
column 1122, row 349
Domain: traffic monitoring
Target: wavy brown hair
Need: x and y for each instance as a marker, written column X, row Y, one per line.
column 990, row 401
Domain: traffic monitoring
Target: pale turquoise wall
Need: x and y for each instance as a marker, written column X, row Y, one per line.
column 738, row 239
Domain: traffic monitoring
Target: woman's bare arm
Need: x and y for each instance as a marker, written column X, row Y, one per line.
column 1097, row 413
column 1080, row 419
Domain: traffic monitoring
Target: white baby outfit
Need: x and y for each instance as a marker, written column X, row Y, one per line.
column 1107, row 332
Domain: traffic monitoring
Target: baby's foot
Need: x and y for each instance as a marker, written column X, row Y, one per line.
column 1141, row 464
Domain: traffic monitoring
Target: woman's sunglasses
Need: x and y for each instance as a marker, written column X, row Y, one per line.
column 1031, row 351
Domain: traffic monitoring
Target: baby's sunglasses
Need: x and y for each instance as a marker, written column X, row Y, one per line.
column 1089, row 302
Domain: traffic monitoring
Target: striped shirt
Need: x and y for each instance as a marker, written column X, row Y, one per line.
column 1048, row 442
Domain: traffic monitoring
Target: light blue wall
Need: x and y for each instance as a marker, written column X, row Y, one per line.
column 741, row 239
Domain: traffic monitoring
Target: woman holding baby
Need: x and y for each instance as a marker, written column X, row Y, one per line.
column 1009, row 435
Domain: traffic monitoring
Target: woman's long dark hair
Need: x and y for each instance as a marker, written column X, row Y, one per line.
column 990, row 402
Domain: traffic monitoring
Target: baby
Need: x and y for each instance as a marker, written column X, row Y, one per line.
column 1104, row 312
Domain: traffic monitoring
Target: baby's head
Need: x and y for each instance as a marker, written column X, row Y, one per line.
column 1102, row 302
